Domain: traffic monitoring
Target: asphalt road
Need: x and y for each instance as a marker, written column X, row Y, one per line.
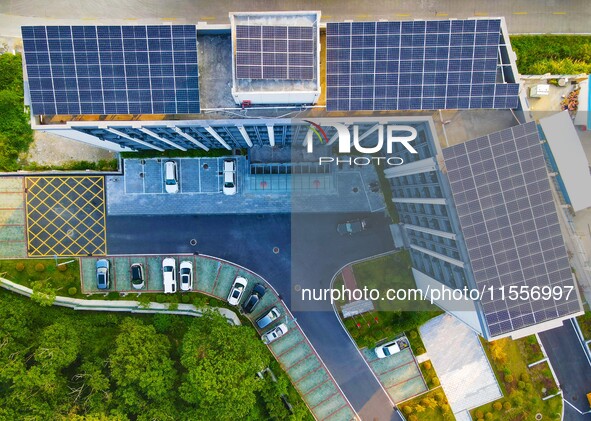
column 310, row 253
column 572, row 368
column 523, row 16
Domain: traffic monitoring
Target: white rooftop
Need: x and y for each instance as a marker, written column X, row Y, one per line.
column 570, row 158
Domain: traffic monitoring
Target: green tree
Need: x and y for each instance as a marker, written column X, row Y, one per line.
column 218, row 357
column 142, row 369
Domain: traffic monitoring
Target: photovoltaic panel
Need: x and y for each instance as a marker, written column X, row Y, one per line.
column 415, row 65
column 112, row 69
column 275, row 52
column 511, row 229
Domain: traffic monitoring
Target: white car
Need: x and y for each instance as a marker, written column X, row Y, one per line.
column 186, row 275
column 237, row 290
column 169, row 275
column 229, row 177
column 387, row 349
column 274, row 334
column 171, row 179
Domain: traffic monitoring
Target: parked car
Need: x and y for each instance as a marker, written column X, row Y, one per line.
column 169, row 275
column 352, row 227
column 186, row 272
column 255, row 298
column 137, row 276
column 268, row 318
column 171, row 179
column 102, row 274
column 237, row 290
column 229, row 177
column 274, row 333
column 388, row 349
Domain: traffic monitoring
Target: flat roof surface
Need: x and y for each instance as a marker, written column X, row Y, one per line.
column 570, row 158
column 508, row 218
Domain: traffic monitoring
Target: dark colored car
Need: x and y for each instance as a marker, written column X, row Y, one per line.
column 255, row 297
column 352, row 227
column 102, row 274
column 137, row 276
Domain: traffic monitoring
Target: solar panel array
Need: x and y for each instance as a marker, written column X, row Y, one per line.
column 275, row 52
column 508, row 218
column 112, row 69
column 415, row 65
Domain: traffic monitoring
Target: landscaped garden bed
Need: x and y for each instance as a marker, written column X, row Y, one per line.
column 430, row 406
column 542, row 379
column 530, row 349
column 429, row 374
column 585, row 324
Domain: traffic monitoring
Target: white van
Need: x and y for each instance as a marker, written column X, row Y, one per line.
column 229, row 177
column 171, row 179
column 169, row 275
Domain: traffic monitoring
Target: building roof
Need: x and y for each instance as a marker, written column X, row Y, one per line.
column 570, row 158
column 510, row 226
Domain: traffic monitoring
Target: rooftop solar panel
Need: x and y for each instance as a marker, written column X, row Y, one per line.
column 415, row 65
column 275, row 52
column 112, row 69
column 505, row 206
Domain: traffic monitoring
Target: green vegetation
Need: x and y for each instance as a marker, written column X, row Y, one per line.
column 430, row 406
column 416, row 343
column 101, row 165
column 43, row 273
column 555, row 54
column 521, row 386
column 542, row 379
column 191, row 153
column 386, row 189
column 585, row 324
column 429, row 374
column 15, row 131
column 391, row 271
column 530, row 349
column 60, row 364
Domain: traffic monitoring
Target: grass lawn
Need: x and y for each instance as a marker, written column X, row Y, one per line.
column 429, row 374
column 530, row 349
column 430, row 406
column 520, row 386
column 27, row 271
column 391, row 271
column 541, row 378
column 585, row 324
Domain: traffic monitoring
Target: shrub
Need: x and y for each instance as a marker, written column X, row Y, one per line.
column 435, row 381
column 427, row 365
column 507, row 405
column 497, row 406
column 407, row 409
column 20, row 266
column 413, row 334
column 529, row 387
column 488, row 416
column 185, row 299
column 39, row 267
column 420, row 350
column 521, row 384
column 479, row 414
column 62, row 268
column 524, row 377
column 439, row 397
column 413, row 418
column 518, row 401
column 445, row 407
column 72, row 290
column 509, row 378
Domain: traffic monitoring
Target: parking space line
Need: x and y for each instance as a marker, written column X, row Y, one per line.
column 161, row 176
column 308, row 373
column 336, row 411
column 291, row 347
column 218, row 175
column 317, row 386
column 394, row 368
column 325, row 400
column 404, row 381
column 216, row 278
column 143, row 164
column 180, row 175
column 305, row 357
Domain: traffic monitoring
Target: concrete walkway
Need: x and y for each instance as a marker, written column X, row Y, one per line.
column 122, row 305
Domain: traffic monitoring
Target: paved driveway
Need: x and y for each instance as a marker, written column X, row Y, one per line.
column 310, row 251
column 571, row 366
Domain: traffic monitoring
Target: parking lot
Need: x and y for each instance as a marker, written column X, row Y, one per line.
column 196, row 175
column 214, row 277
column 399, row 374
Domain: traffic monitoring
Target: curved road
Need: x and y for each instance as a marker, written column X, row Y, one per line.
column 310, row 253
